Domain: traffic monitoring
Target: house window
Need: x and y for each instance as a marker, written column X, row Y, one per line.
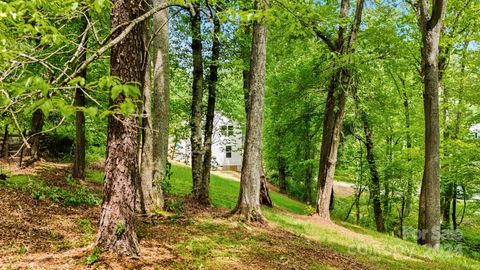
column 228, row 151
column 230, row 131
column 227, row 130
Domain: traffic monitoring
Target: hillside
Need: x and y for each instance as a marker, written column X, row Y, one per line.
column 50, row 221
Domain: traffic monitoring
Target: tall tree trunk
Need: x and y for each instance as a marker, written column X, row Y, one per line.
column 197, row 96
column 155, row 115
column 375, row 179
column 454, row 207
column 408, row 139
column 374, row 176
column 429, row 205
column 161, row 106
column 334, row 112
column 212, row 88
column 248, row 205
column 117, row 225
column 79, row 156
column 146, row 202
column 447, row 200
column 35, row 128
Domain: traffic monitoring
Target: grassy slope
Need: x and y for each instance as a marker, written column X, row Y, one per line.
column 224, row 192
column 200, row 243
column 378, row 250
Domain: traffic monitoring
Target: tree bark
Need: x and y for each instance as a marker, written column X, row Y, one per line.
column 408, row 139
column 334, row 112
column 197, row 96
column 248, row 206
column 208, row 137
column 146, row 202
column 429, row 205
column 375, row 179
column 264, row 194
column 80, row 141
column 161, row 106
column 155, row 115
column 35, row 128
column 117, row 225
column 375, row 186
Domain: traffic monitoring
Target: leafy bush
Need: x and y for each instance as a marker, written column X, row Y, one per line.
column 64, row 197
column 176, row 206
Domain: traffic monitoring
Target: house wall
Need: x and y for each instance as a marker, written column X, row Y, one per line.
column 221, row 139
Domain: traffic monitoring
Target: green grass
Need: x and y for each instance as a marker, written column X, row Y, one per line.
column 73, row 195
column 379, row 250
column 224, row 192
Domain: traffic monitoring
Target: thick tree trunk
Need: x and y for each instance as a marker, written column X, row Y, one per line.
column 429, row 205
column 248, row 205
column 197, row 96
column 146, row 202
column 117, row 225
column 155, row 116
column 79, row 156
column 212, row 88
column 161, row 106
column 334, row 113
column 330, row 143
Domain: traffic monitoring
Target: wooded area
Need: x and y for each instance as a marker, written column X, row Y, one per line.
column 351, row 117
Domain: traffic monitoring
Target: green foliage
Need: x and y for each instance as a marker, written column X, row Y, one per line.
column 93, row 257
column 224, row 191
column 166, row 182
column 74, row 195
column 80, row 196
column 86, row 226
column 120, row 227
column 176, row 206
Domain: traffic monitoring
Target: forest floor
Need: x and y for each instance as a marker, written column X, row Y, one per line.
column 49, row 221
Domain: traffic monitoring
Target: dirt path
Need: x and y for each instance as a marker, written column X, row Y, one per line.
column 340, row 188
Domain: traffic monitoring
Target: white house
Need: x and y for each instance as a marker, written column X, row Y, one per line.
column 226, row 145
column 475, row 131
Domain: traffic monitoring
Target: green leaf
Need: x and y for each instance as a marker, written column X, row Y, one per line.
column 46, row 107
column 127, row 107
column 131, row 90
column 116, row 90
column 98, row 5
column 77, row 81
column 90, row 111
